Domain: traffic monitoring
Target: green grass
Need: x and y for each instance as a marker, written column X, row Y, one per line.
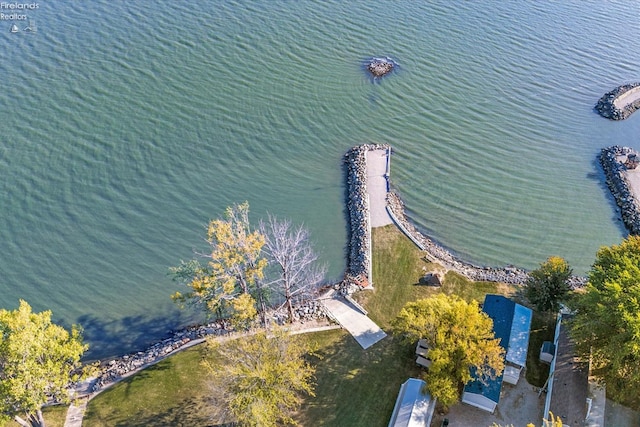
column 542, row 329
column 55, row 416
column 355, row 387
column 398, row 264
column 173, row 392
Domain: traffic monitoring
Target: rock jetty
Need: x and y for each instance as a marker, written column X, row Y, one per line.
column 379, row 67
column 358, row 209
column 608, row 107
column 614, row 171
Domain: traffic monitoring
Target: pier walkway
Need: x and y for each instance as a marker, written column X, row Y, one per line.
column 378, row 162
column 363, row 329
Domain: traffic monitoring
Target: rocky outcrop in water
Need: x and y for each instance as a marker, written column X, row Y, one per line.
column 606, row 105
column 614, row 171
column 379, row 67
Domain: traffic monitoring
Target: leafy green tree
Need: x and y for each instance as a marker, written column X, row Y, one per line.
column 459, row 336
column 548, row 285
column 606, row 327
column 229, row 281
column 258, row 380
column 38, row 362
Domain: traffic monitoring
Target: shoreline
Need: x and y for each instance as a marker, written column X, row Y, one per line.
column 356, row 276
column 358, row 207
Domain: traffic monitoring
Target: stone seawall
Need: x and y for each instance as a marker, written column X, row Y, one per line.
column 620, row 189
column 358, row 208
column 607, row 107
column 435, row 252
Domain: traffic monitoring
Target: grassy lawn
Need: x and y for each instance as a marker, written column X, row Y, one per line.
column 354, row 387
column 397, row 266
column 54, row 416
column 171, row 393
column 543, row 328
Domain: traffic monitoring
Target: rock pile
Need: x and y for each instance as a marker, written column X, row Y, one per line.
column 379, row 67
column 358, row 208
column 614, row 174
column 606, row 105
column 112, row 370
column 305, row 312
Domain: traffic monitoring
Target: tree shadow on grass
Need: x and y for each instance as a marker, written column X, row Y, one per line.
column 356, row 387
column 187, row 413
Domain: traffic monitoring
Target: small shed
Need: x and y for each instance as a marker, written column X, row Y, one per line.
column 547, row 351
column 414, row 405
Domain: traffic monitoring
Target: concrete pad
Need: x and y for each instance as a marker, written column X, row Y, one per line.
column 519, row 405
column 597, row 394
column 378, row 186
column 617, row 415
column 363, row 329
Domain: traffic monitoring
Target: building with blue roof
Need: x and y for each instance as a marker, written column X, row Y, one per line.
column 512, row 325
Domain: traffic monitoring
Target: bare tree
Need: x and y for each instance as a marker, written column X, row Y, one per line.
column 289, row 250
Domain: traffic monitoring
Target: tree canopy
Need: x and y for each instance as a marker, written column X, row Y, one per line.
column 259, row 379
column 38, row 362
column 547, row 286
column 606, row 327
column 459, row 336
column 228, row 282
column 247, row 271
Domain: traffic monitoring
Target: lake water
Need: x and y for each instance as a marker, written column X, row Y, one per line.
column 128, row 125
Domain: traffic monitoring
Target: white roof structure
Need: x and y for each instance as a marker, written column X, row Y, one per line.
column 414, row 406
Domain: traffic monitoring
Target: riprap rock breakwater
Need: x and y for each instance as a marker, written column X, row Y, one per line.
column 612, row 161
column 620, row 103
column 358, row 208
